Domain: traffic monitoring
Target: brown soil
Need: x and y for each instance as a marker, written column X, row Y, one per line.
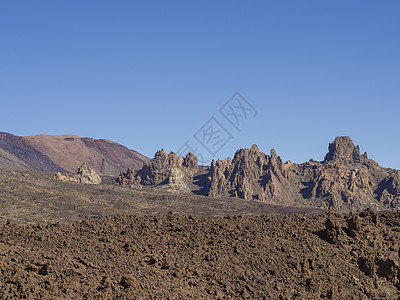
column 68, row 152
column 169, row 256
column 125, row 245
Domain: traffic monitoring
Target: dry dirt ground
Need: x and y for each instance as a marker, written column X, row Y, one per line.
column 150, row 244
column 34, row 197
column 182, row 257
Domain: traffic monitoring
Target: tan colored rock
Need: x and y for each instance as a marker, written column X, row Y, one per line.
column 343, row 148
column 345, row 180
column 178, row 180
column 163, row 168
column 84, row 174
column 251, row 174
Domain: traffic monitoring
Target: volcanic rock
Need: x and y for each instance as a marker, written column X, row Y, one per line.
column 332, row 231
column 126, row 178
column 84, row 174
column 62, row 153
column 201, row 257
column 163, row 168
column 343, row 149
column 389, row 190
column 345, row 180
column 251, row 174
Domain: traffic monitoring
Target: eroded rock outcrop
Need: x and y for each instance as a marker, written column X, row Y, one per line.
column 344, row 150
column 337, row 184
column 171, row 169
column 390, row 190
column 345, row 180
column 84, row 174
column 251, row 174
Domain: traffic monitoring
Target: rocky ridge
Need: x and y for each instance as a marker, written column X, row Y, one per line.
column 345, row 180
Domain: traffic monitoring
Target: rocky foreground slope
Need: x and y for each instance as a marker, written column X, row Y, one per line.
column 186, row 257
column 345, row 180
column 65, row 153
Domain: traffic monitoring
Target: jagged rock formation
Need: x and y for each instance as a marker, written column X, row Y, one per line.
column 337, row 184
column 389, row 190
column 342, row 149
column 127, row 178
column 84, row 174
column 178, row 180
column 169, row 169
column 345, row 180
column 251, row 174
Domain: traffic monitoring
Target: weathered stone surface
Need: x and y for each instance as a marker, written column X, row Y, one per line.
column 251, row 174
column 163, row 168
column 390, row 190
column 84, row 174
column 340, row 185
column 345, row 180
column 393, row 183
column 342, row 148
column 126, row 178
column 178, row 180
column 332, row 231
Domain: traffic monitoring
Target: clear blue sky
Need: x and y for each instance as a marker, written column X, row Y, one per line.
column 149, row 74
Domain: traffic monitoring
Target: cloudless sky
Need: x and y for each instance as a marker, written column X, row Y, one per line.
column 149, row 74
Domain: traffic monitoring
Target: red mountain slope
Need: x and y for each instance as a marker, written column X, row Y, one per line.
column 65, row 153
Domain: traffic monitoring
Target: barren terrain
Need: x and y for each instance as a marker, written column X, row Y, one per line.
column 35, row 197
column 169, row 256
column 169, row 239
column 65, row 153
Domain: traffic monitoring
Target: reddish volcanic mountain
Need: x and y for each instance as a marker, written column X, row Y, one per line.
column 66, row 153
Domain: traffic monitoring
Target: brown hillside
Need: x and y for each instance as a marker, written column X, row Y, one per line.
column 65, row 153
column 17, row 154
